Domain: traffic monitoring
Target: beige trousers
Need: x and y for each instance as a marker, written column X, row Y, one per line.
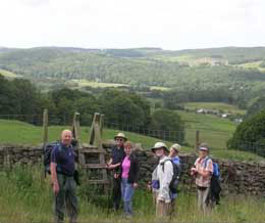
column 162, row 209
column 202, row 197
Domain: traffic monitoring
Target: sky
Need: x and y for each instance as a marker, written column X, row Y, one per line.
column 168, row 24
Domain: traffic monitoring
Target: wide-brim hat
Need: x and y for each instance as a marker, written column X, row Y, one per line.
column 121, row 135
column 160, row 145
column 176, row 147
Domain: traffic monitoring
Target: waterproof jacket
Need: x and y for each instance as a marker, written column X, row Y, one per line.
column 134, row 169
column 164, row 175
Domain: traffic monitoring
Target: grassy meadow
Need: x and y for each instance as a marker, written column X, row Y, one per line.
column 16, row 132
column 9, row 74
column 213, row 130
column 85, row 83
column 215, row 106
column 26, row 197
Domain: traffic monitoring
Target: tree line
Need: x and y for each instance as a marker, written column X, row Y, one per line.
column 20, row 97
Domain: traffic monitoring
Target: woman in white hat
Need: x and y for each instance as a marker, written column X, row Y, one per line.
column 164, row 176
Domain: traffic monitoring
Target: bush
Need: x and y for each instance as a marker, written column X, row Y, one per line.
column 169, row 124
column 250, row 135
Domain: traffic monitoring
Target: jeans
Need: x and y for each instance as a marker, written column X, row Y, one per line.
column 127, row 192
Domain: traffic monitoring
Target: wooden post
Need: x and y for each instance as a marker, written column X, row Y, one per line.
column 76, row 126
column 101, row 124
column 45, row 126
column 197, row 140
column 45, row 137
column 95, row 133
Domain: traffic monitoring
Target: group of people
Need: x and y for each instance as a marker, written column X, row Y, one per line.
column 124, row 165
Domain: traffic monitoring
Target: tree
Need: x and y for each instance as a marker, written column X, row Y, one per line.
column 250, row 135
column 256, row 107
column 168, row 125
column 124, row 108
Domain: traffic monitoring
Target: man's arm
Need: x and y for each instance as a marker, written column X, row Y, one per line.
column 110, row 162
column 54, row 178
column 113, row 166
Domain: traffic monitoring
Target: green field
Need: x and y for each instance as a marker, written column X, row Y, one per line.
column 213, row 130
column 16, row 132
column 26, row 197
column 252, row 65
column 214, row 106
column 9, row 74
column 93, row 84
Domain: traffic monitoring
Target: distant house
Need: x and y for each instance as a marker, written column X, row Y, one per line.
column 212, row 61
column 225, row 115
column 238, row 120
column 201, row 111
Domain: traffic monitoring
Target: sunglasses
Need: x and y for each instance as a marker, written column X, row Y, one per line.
column 119, row 139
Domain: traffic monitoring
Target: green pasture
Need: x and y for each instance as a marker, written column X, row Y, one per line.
column 26, row 197
column 214, row 106
column 16, row 132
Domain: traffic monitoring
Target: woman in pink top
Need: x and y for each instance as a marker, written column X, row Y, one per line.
column 129, row 174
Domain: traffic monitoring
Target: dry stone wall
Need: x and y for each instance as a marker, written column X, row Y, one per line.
column 237, row 177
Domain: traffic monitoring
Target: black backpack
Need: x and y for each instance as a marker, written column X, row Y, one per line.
column 176, row 175
column 48, row 148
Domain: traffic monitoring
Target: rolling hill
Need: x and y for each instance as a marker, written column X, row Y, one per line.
column 142, row 66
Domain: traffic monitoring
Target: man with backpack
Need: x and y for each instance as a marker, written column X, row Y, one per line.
column 62, row 169
column 165, row 174
column 202, row 171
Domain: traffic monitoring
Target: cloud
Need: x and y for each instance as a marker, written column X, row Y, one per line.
column 171, row 24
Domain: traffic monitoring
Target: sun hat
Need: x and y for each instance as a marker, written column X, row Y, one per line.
column 159, row 145
column 176, row 147
column 120, row 135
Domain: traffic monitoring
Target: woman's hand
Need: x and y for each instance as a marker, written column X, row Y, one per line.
column 135, row 185
column 193, row 171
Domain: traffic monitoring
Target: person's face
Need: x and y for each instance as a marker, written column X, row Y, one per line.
column 172, row 153
column 203, row 153
column 119, row 141
column 66, row 137
column 128, row 149
column 159, row 152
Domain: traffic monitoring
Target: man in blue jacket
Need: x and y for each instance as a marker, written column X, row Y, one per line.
column 62, row 175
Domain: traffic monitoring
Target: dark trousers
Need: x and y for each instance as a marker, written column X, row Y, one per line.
column 116, row 193
column 66, row 198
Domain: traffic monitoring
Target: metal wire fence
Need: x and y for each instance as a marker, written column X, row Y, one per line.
column 189, row 137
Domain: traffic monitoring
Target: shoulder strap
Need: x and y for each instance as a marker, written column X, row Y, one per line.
column 206, row 161
column 163, row 163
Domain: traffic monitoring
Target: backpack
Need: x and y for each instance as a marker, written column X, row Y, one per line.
column 176, row 175
column 215, row 186
column 216, row 169
column 48, row 148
